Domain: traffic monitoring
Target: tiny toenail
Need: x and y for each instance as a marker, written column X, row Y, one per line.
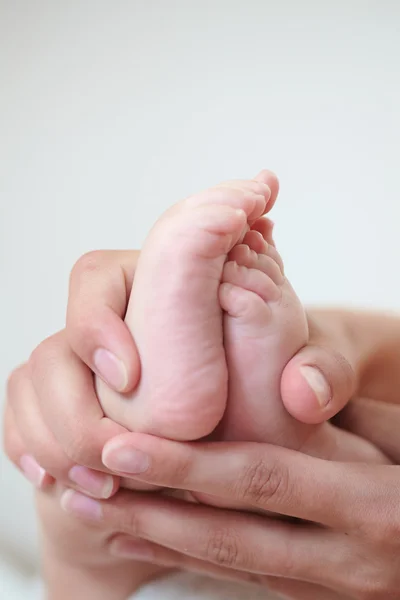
column 32, row 470
column 92, row 482
column 111, row 369
column 318, row 384
column 126, row 460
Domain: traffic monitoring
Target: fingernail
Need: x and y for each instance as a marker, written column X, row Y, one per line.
column 111, row 369
column 79, row 505
column 126, row 460
column 32, row 470
column 318, row 384
column 134, row 549
column 94, row 483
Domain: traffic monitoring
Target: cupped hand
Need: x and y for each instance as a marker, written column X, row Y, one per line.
column 54, row 427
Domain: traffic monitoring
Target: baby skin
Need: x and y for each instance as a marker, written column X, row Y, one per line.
column 216, row 321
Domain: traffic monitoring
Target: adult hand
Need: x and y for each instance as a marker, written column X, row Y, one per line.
column 55, row 426
column 347, row 544
column 46, row 394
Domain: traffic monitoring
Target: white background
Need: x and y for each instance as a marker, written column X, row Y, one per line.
column 111, row 111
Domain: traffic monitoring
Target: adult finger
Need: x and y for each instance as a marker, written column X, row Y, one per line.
column 322, row 376
column 265, row 477
column 100, row 285
column 244, row 542
column 63, row 386
column 28, row 425
column 124, row 546
column 35, row 450
column 345, row 355
column 16, row 451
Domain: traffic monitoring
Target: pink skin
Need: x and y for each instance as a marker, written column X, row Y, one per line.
column 175, row 315
column 265, row 326
column 210, row 300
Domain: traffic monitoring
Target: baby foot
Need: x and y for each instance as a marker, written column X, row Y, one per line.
column 265, row 325
column 175, row 315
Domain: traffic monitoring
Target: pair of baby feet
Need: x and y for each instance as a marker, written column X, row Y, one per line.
column 216, row 321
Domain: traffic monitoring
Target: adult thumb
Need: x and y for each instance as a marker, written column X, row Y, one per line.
column 317, row 383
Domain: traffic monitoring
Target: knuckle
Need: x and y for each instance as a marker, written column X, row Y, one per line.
column 41, row 356
column 178, row 473
column 86, row 264
column 81, row 446
column 14, row 381
column 36, row 358
column 177, row 466
column 43, row 361
column 85, row 309
column 261, row 483
column 52, row 459
column 129, row 521
column 81, row 331
column 77, row 449
column 223, row 547
column 85, row 268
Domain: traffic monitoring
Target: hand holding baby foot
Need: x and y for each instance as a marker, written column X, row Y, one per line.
column 344, row 359
column 211, row 309
column 100, row 284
